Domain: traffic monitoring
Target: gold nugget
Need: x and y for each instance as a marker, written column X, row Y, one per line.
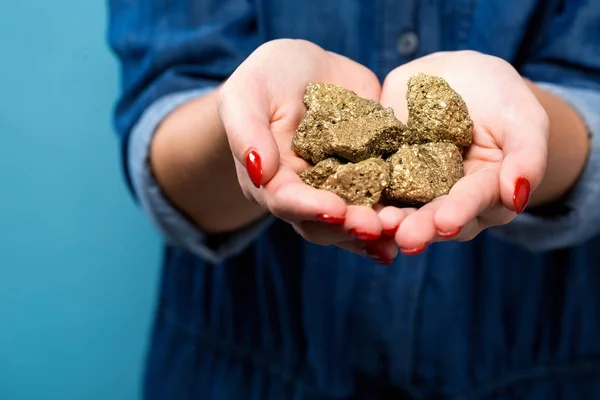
column 327, row 105
column 364, row 154
column 436, row 113
column 361, row 183
column 422, row 172
column 317, row 175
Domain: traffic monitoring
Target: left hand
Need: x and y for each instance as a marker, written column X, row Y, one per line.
column 505, row 163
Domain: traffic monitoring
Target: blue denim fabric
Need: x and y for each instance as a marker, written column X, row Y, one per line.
column 270, row 316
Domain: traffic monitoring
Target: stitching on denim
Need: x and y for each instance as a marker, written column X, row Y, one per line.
column 246, row 354
column 534, row 373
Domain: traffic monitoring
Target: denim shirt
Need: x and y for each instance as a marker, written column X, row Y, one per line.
column 263, row 313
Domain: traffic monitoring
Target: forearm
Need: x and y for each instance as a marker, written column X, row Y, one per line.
column 568, row 148
column 192, row 162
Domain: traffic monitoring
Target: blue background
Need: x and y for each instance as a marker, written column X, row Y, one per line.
column 78, row 261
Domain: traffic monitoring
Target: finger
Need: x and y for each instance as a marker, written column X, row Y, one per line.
column 391, row 218
column 363, row 223
column 525, row 150
column 418, row 229
column 245, row 111
column 468, row 232
column 322, row 233
column 290, row 199
column 470, row 196
column 382, row 251
column 497, row 215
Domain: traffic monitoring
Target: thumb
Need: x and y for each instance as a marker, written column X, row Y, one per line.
column 245, row 110
column 525, row 150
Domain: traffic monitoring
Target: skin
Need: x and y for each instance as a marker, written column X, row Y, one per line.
column 535, row 135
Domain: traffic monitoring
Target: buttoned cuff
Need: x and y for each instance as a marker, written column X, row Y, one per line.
column 582, row 221
column 175, row 227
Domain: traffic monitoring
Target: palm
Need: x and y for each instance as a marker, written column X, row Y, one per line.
column 261, row 107
column 501, row 107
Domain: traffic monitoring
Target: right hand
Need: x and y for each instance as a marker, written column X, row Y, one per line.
column 260, row 106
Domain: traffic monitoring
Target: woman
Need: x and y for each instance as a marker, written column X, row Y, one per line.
column 270, row 289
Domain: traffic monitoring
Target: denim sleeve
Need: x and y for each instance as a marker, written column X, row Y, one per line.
column 175, row 227
column 582, row 220
column 166, row 47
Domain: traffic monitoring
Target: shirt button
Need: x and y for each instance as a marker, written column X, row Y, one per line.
column 407, row 44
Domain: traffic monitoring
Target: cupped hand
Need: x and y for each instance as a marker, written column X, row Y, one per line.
column 260, row 107
column 506, row 161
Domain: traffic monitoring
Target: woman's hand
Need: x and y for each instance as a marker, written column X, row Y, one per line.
column 260, row 107
column 505, row 163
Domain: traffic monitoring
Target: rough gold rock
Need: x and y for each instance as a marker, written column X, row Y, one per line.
column 386, row 161
column 316, row 176
column 422, row 172
column 361, row 183
column 436, row 113
column 376, row 134
column 327, row 105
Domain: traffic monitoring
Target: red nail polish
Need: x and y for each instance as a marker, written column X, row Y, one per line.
column 331, row 219
column 413, row 252
column 385, row 262
column 448, row 235
column 389, row 232
column 364, row 235
column 254, row 167
column 522, row 193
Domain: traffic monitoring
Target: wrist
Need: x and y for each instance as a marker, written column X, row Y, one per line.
column 194, row 168
column 568, row 148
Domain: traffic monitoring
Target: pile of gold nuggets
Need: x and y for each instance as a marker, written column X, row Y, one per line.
column 360, row 151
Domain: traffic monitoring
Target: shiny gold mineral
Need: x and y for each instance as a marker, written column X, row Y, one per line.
column 436, row 113
column 361, row 183
column 367, row 156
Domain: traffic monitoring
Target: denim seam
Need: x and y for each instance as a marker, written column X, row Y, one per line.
column 254, row 358
column 534, row 373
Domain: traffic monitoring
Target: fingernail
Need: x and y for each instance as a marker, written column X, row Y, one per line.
column 448, row 235
column 363, row 235
column 331, row 219
column 413, row 252
column 389, row 232
column 254, row 167
column 522, row 193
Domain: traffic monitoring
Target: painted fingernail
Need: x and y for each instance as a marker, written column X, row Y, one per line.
column 521, row 195
column 413, row 252
column 330, row 219
column 448, row 235
column 254, row 167
column 389, row 232
column 363, row 235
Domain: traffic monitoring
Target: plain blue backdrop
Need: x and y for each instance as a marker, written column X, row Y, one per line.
column 78, row 261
